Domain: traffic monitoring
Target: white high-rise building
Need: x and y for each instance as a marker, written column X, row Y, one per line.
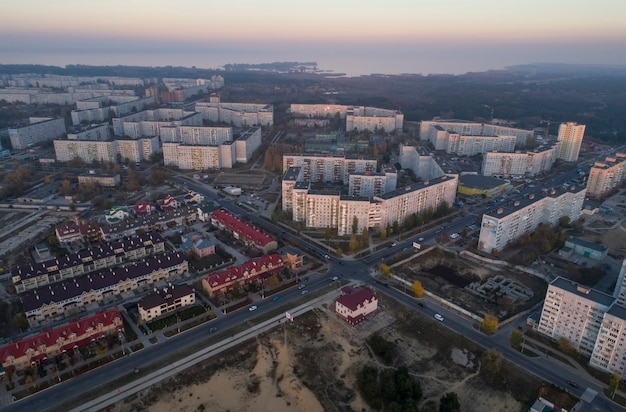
column 509, row 222
column 620, row 286
column 519, row 163
column 574, row 312
column 438, row 131
column 571, row 138
column 328, row 168
column 609, row 351
column 606, row 176
column 40, row 129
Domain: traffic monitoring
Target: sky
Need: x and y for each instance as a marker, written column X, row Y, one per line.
column 351, row 36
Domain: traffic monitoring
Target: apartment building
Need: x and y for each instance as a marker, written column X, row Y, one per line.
column 609, row 351
column 192, row 157
column 438, row 131
column 571, row 137
column 620, row 286
column 26, row 352
column 91, row 259
column 605, row 176
column 328, row 168
column 248, row 272
column 290, row 178
column 243, row 231
column 102, row 108
column 576, row 313
column 86, row 150
column 166, row 301
column 196, row 135
column 137, row 150
column 527, row 163
column 94, row 131
column 318, row 110
column 328, row 209
column 39, row 129
column 367, row 184
column 236, row 114
column 247, row 144
column 421, row 161
column 509, row 222
column 148, row 123
column 47, row 304
column 362, row 118
column 472, row 145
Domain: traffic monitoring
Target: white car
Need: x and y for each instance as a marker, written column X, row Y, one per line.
column 454, row 236
column 420, row 239
column 251, row 308
column 304, row 292
column 439, row 317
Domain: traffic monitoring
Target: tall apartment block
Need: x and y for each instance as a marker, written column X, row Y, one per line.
column 39, row 129
column 606, row 176
column 609, row 352
column 574, row 312
column 510, row 222
column 328, row 168
column 357, row 117
column 571, row 138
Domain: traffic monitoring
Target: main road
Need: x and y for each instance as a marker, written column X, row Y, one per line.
column 356, row 270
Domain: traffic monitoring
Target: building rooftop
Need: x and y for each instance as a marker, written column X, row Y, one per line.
column 415, row 187
column 583, row 291
column 355, row 298
column 617, row 311
column 252, row 234
column 587, row 244
column 165, row 296
column 248, row 134
column 292, row 173
column 480, row 182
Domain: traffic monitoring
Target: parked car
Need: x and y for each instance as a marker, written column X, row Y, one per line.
column 251, row 308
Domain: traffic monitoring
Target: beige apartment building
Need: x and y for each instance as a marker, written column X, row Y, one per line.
column 527, row 163
column 508, row 223
column 438, row 131
column 605, row 176
column 571, row 138
column 576, row 313
column 609, row 352
column 328, row 168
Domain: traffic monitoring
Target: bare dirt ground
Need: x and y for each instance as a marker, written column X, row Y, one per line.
column 312, row 364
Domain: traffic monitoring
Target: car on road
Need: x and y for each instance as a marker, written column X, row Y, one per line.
column 393, row 244
column 212, row 330
column 420, row 239
column 439, row 317
column 275, row 298
column 420, row 304
column 253, row 307
column 304, row 292
column 573, row 384
column 334, row 278
column 302, row 286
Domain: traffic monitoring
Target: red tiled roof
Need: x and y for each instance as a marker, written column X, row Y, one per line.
column 256, row 236
column 143, row 208
column 64, row 335
column 68, row 229
column 356, row 298
column 265, row 266
column 169, row 202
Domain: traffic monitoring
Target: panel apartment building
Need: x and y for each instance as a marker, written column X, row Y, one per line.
column 39, row 129
column 527, row 163
column 510, row 222
column 236, row 114
column 148, row 123
column 571, row 138
column 328, row 168
column 605, row 176
column 357, row 117
column 438, row 131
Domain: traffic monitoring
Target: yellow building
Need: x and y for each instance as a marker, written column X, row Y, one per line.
column 475, row 185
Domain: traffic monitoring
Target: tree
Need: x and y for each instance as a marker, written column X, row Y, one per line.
column 491, row 365
column 490, row 323
column 449, row 403
column 384, row 269
column 516, row 339
column 614, row 383
column 65, row 188
column 418, row 289
column 565, row 346
column 339, row 252
column 355, row 224
column 354, row 244
column 365, row 237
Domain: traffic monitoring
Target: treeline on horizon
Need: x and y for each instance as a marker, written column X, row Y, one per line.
column 530, row 95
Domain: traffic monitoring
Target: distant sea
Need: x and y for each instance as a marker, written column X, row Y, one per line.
column 353, row 64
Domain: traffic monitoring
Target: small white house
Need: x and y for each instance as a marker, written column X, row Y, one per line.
column 355, row 304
